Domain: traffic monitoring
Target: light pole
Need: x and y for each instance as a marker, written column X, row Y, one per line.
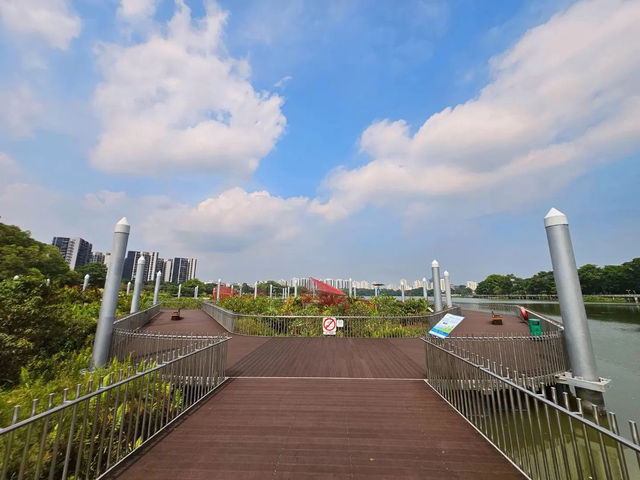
column 104, row 329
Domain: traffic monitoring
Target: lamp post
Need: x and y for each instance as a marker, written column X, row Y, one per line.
column 104, row 329
column 137, row 285
column 574, row 317
column 437, row 294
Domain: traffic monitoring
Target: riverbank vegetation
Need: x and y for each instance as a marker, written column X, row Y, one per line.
column 594, row 280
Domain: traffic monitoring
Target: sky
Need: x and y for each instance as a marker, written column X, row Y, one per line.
column 273, row 139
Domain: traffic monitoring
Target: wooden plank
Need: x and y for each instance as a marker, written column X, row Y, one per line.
column 322, row 428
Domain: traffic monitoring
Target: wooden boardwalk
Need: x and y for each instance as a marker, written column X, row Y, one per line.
column 335, row 408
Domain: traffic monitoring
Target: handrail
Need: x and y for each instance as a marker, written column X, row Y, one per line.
column 89, row 435
column 355, row 326
column 542, row 437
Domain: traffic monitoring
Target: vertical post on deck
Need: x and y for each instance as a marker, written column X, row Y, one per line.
column 295, row 289
column 137, row 285
column 355, row 292
column 109, row 304
column 447, row 289
column 424, row 288
column 85, row 284
column 128, row 288
column 437, row 294
column 271, row 290
column 218, row 290
column 255, row 290
column 574, row 317
column 195, row 292
column 156, row 290
column 402, row 290
column 179, row 290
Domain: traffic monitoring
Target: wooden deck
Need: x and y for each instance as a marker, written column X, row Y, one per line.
column 335, row 408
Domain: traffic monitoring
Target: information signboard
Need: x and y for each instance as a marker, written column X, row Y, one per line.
column 445, row 326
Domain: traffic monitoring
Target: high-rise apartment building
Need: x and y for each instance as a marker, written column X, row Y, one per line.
column 192, row 264
column 179, row 270
column 75, row 250
column 97, row 257
column 150, row 265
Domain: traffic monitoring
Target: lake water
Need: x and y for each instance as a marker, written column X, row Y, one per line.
column 615, row 332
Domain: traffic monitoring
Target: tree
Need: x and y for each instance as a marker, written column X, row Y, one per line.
column 35, row 325
column 21, row 255
column 590, row 279
column 496, row 284
column 97, row 273
column 542, row 283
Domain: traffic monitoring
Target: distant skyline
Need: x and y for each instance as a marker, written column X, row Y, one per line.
column 328, row 139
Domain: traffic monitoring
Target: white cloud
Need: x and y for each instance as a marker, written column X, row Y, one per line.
column 178, row 102
column 565, row 97
column 20, row 109
column 232, row 221
column 136, row 10
column 50, row 20
column 9, row 169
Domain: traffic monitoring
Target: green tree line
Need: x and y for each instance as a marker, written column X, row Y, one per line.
column 594, row 280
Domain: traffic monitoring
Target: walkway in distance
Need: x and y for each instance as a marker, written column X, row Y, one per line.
column 318, row 408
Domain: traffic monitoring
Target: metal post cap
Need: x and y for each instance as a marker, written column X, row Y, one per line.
column 446, row 273
column 122, row 226
column 435, row 263
column 141, row 261
column 555, row 217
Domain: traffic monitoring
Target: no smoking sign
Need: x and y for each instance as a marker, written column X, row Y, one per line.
column 329, row 325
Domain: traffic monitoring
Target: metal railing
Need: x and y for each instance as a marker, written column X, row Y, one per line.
column 126, row 344
column 136, row 320
column 550, row 438
column 542, row 357
column 93, row 429
column 311, row 326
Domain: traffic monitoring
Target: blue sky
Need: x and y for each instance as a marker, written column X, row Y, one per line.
column 333, row 139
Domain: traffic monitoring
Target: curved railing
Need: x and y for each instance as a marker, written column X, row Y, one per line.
column 544, row 436
column 85, row 432
column 352, row 326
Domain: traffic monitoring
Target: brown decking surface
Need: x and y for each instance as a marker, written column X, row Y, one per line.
column 375, row 419
column 322, row 428
column 479, row 323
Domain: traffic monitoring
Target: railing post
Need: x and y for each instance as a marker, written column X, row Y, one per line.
column 109, row 304
column 447, row 289
column 137, row 286
column 156, row 290
column 574, row 317
column 437, row 294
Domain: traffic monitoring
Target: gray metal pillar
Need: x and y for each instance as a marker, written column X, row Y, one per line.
column 137, row 285
column 255, row 290
column 402, row 291
column 437, row 294
column 218, row 290
column 128, row 288
column 350, row 287
column 179, row 290
column 85, row 284
column 270, row 290
column 424, row 288
column 447, row 289
column 574, row 317
column 240, row 289
column 195, row 292
column 295, row 289
column 102, row 342
column 156, row 290
column 355, row 292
